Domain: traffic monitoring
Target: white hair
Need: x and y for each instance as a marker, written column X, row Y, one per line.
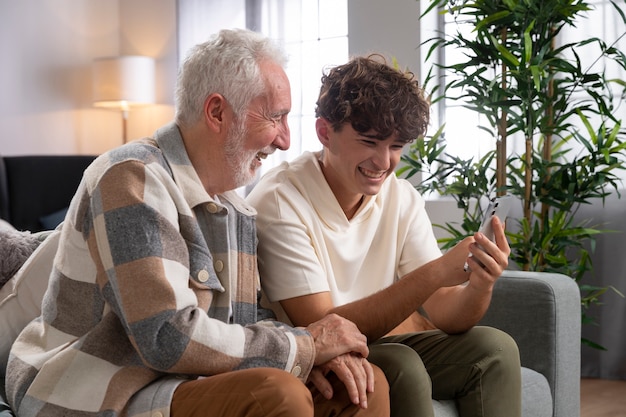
column 227, row 64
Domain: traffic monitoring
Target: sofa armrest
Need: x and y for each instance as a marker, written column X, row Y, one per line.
column 542, row 312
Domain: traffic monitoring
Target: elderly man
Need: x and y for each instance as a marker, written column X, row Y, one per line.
column 152, row 303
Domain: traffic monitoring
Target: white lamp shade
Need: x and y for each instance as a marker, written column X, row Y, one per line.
column 123, row 82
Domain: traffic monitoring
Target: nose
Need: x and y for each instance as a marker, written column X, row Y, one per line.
column 283, row 137
column 381, row 158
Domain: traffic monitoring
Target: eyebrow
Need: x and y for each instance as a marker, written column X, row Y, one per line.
column 371, row 136
column 281, row 112
column 379, row 137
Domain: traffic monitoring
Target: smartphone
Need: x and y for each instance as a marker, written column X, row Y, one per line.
column 500, row 207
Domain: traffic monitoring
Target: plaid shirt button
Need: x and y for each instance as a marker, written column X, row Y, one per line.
column 203, row 276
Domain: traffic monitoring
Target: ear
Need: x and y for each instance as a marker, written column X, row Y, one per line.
column 323, row 128
column 216, row 112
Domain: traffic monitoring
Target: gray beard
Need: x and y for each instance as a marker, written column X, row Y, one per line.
column 237, row 160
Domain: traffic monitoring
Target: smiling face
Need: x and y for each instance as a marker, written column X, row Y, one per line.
column 356, row 164
column 264, row 129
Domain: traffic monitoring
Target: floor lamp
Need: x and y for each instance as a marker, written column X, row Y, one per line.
column 123, row 82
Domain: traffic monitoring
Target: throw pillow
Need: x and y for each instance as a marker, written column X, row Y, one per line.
column 21, row 296
column 15, row 248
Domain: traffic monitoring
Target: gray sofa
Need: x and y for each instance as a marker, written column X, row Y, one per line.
column 540, row 310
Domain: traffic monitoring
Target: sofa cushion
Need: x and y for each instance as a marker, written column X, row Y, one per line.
column 21, row 296
column 536, row 398
column 15, row 248
column 445, row 408
column 536, row 394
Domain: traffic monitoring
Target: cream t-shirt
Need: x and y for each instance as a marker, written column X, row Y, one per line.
column 307, row 245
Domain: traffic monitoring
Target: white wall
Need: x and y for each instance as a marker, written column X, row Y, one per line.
column 200, row 19
column 388, row 27
column 47, row 47
column 392, row 28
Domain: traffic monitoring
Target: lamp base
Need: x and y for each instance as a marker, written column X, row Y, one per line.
column 124, row 126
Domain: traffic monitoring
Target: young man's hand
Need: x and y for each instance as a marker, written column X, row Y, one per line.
column 486, row 264
column 489, row 258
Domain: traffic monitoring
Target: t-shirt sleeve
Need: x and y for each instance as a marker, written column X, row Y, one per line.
column 288, row 256
column 419, row 245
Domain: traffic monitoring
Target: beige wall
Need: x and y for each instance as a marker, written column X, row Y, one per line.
column 47, row 47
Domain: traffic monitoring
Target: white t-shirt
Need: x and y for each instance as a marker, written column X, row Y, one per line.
column 307, row 245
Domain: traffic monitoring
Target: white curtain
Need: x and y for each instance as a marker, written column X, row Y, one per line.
column 313, row 32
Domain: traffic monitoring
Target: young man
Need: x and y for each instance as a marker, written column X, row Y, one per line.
column 339, row 233
column 152, row 302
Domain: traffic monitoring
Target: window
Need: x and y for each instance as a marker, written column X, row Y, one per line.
column 463, row 135
column 310, row 42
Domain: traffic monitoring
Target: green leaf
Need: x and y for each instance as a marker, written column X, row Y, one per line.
column 528, row 43
column 512, row 63
column 507, row 56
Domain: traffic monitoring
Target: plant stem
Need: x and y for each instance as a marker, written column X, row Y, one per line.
column 528, row 172
column 547, row 144
column 501, row 153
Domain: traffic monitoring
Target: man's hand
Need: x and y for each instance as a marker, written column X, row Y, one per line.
column 341, row 348
column 448, row 269
column 486, row 264
column 492, row 257
column 456, row 308
column 353, row 370
column 334, row 336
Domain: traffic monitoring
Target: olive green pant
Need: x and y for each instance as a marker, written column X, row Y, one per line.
column 480, row 370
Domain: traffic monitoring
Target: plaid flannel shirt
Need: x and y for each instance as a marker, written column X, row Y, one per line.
column 154, row 282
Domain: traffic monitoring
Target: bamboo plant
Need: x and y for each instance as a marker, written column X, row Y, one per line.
column 528, row 84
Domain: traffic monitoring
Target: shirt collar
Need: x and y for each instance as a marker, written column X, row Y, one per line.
column 171, row 143
column 324, row 199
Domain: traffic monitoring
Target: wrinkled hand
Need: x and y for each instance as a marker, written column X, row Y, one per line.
column 354, row 371
column 488, row 258
column 334, row 336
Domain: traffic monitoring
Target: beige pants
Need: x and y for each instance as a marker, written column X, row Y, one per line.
column 267, row 392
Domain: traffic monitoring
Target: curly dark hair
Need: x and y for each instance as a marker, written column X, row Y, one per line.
column 374, row 97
